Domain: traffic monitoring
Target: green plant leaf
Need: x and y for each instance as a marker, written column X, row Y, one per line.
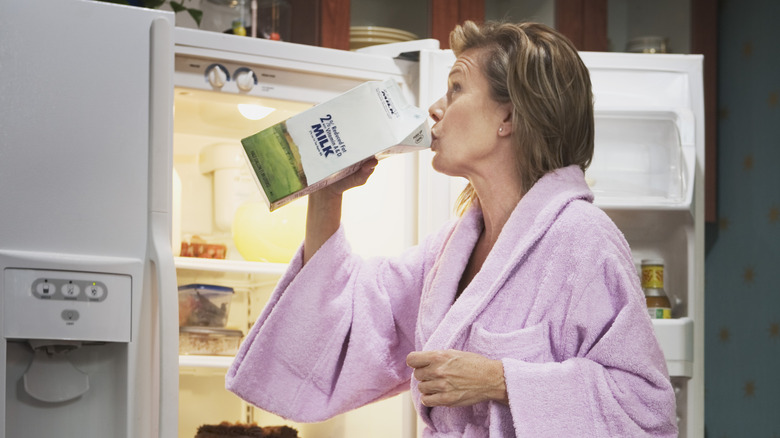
column 177, row 7
column 153, row 4
column 196, row 15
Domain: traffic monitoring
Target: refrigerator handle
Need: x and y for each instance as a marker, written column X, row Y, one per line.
column 160, row 194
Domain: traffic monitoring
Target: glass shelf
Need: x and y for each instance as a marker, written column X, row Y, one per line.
column 235, row 266
column 196, row 361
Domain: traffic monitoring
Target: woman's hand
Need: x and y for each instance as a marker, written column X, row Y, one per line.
column 457, row 378
column 358, row 178
column 323, row 216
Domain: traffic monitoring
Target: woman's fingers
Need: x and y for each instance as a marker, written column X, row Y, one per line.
column 456, row 378
column 357, row 178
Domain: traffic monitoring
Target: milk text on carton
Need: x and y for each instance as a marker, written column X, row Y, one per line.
column 326, row 137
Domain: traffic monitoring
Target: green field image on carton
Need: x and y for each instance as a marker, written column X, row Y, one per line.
column 276, row 161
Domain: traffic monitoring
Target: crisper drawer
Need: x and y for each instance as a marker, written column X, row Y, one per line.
column 676, row 339
column 642, row 158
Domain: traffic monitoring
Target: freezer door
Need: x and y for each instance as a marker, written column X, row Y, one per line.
column 75, row 127
column 79, row 148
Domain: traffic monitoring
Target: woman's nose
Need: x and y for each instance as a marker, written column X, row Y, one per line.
column 436, row 110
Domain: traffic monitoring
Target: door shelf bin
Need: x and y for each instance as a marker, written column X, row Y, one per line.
column 642, row 158
column 676, row 339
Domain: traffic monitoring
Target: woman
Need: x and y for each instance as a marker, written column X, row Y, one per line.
column 524, row 317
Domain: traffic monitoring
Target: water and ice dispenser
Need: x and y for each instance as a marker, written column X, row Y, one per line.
column 56, row 312
column 65, row 338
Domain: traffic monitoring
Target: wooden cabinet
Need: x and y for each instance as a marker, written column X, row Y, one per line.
column 445, row 14
column 321, row 23
column 584, row 22
column 704, row 40
column 326, row 22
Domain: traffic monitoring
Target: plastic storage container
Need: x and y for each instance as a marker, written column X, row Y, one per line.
column 209, row 341
column 204, row 305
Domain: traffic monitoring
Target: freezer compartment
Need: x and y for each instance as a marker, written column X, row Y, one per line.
column 676, row 339
column 642, row 158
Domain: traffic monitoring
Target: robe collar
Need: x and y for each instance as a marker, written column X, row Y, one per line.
column 441, row 322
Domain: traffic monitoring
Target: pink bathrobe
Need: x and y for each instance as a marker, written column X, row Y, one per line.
column 558, row 301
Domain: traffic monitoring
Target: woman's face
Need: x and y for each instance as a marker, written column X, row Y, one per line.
column 466, row 120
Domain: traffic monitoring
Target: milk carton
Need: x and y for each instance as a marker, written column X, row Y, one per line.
column 331, row 140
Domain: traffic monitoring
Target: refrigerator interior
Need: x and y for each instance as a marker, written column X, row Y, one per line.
column 647, row 175
column 218, row 203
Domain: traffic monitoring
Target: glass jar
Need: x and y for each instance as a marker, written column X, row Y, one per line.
column 273, row 19
column 228, row 16
column 658, row 304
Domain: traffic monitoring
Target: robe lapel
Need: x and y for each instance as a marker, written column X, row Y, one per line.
column 442, row 323
column 439, row 292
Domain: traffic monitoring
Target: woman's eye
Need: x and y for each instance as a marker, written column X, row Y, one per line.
column 454, row 88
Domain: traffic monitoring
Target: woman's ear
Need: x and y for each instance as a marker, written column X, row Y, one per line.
column 505, row 128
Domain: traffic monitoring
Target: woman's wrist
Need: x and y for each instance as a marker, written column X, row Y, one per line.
column 497, row 388
column 323, row 218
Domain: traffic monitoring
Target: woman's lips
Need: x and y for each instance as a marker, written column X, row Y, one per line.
column 434, row 137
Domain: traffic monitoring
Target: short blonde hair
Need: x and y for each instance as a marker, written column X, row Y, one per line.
column 539, row 71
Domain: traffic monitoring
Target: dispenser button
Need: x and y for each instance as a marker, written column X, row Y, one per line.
column 45, row 289
column 95, row 291
column 70, row 315
column 70, row 290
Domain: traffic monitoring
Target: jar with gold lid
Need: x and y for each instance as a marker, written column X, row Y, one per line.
column 658, row 304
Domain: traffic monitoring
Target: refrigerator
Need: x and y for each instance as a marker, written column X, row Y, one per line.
column 121, row 165
column 86, row 269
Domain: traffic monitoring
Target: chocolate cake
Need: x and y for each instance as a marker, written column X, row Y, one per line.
column 226, row 429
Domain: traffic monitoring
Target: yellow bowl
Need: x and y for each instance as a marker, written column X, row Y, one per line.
column 263, row 236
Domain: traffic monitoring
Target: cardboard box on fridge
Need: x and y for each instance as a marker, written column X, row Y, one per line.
column 329, row 141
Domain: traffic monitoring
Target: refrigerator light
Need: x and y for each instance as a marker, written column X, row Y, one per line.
column 252, row 111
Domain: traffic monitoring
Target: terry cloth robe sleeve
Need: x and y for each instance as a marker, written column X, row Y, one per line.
column 334, row 335
column 607, row 376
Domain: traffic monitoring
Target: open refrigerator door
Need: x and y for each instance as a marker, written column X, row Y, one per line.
column 226, row 89
column 647, row 175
